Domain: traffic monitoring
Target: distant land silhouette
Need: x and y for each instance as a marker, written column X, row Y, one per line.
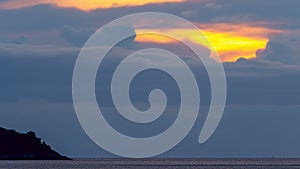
column 18, row 146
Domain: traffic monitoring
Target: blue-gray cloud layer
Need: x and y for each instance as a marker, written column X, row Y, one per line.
column 37, row 96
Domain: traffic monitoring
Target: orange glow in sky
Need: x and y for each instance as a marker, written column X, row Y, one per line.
column 231, row 42
column 80, row 4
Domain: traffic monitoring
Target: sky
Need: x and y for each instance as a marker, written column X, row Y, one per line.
column 257, row 41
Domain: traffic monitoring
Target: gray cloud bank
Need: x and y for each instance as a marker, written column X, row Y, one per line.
column 37, row 94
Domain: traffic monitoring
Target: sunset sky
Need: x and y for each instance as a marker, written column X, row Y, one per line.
column 232, row 41
column 257, row 41
column 83, row 5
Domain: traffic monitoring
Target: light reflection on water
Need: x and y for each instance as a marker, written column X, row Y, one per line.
column 153, row 163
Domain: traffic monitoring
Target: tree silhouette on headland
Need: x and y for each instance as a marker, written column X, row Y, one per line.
column 18, row 146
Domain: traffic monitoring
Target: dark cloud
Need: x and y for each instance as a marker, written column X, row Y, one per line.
column 37, row 83
column 45, row 72
column 262, row 82
column 37, row 63
column 30, row 72
column 278, row 14
column 76, row 37
column 41, row 17
column 282, row 48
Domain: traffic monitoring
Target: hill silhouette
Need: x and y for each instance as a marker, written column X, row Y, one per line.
column 18, row 146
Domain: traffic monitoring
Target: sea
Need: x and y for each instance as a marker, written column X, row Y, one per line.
column 272, row 163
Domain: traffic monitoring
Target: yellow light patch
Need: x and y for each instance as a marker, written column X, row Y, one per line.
column 231, row 42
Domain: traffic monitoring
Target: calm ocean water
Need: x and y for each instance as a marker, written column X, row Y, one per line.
column 154, row 163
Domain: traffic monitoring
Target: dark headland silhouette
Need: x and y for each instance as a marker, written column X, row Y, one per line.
column 18, row 146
